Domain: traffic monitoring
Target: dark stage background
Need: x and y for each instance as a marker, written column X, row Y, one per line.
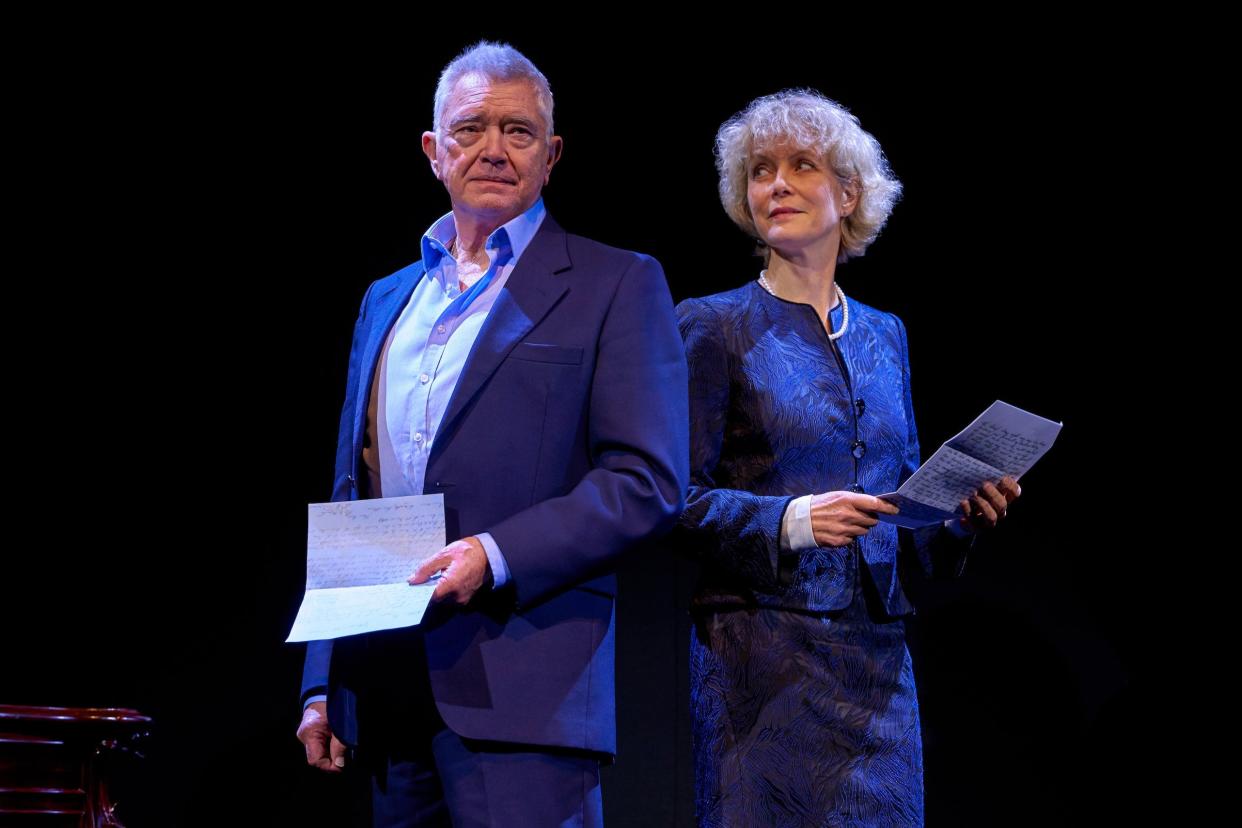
column 197, row 227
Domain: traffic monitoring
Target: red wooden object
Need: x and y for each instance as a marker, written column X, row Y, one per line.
column 56, row 763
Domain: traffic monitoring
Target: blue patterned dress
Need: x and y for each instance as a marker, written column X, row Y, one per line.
column 802, row 691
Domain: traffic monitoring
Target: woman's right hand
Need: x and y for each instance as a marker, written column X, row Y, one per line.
column 839, row 517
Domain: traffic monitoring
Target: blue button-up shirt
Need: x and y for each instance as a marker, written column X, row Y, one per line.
column 426, row 352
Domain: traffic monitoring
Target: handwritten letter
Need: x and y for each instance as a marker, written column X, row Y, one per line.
column 1003, row 440
column 358, row 555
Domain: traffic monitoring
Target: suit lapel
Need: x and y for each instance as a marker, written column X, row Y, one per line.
column 530, row 292
column 387, row 306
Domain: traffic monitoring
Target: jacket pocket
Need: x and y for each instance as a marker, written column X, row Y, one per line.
column 537, row 352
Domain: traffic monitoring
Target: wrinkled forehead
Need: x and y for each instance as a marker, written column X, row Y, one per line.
column 476, row 91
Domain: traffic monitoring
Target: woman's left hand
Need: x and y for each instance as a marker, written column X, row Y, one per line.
column 989, row 505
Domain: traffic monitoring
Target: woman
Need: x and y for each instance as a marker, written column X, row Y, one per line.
column 802, row 690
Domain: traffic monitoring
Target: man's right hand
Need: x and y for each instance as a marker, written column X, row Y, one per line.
column 323, row 750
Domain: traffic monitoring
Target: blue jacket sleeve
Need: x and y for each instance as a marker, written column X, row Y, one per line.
column 319, row 653
column 636, row 434
column 729, row 529
column 930, row 551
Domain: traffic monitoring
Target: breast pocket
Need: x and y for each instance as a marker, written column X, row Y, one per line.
column 542, row 389
column 538, row 352
column 534, row 376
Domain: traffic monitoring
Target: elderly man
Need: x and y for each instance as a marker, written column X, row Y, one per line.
column 537, row 380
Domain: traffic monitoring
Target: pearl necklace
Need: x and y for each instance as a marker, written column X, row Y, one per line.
column 845, row 306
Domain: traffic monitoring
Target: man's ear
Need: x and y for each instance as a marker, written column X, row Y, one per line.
column 555, row 145
column 429, row 150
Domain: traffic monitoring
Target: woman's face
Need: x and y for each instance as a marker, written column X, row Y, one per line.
column 795, row 199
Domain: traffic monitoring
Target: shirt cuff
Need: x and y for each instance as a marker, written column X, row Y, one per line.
column 500, row 570
column 954, row 525
column 311, row 700
column 797, row 535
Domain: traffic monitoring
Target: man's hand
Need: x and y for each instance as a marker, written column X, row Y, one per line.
column 466, row 570
column 323, row 750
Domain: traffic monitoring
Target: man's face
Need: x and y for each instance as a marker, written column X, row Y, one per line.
column 493, row 154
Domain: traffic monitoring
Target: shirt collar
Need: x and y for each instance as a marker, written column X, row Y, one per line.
column 518, row 232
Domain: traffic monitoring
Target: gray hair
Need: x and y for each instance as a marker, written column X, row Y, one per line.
column 496, row 62
column 807, row 119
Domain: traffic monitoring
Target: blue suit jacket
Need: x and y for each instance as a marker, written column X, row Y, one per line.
column 566, row 438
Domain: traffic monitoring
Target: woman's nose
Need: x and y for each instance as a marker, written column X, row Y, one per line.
column 779, row 184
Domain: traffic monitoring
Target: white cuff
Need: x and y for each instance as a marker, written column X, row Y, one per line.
column 954, row 525
column 797, row 535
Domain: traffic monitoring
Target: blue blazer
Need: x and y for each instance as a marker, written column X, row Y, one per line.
column 778, row 410
column 566, row 438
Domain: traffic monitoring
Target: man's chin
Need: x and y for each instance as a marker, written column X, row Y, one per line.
column 496, row 208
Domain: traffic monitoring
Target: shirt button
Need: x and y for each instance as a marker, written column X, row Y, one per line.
column 418, row 436
column 423, row 378
column 860, row 406
column 858, row 448
column 439, row 329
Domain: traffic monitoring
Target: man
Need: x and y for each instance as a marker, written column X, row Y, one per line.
column 537, row 380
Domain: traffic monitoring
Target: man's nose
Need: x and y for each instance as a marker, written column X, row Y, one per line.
column 493, row 146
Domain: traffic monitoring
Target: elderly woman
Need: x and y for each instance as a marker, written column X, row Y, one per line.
column 802, row 690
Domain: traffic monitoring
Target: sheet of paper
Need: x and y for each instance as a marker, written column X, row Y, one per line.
column 1003, row 440
column 358, row 555
column 1007, row 438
